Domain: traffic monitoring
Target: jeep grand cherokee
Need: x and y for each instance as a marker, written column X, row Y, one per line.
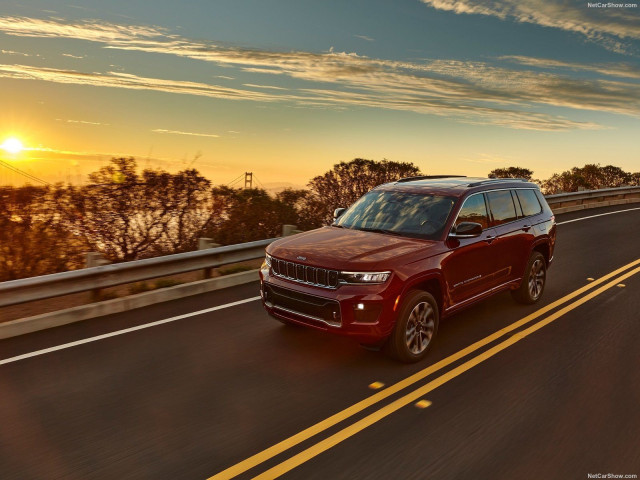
column 409, row 253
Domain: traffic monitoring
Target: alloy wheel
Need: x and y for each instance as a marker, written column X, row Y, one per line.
column 536, row 279
column 420, row 328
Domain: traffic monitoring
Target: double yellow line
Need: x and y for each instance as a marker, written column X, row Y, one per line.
column 383, row 412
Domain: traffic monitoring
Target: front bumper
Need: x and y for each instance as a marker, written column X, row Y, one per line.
column 363, row 312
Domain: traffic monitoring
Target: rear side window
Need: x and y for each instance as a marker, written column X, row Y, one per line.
column 529, row 202
column 474, row 210
column 502, row 208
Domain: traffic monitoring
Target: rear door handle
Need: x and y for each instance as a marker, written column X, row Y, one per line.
column 526, row 228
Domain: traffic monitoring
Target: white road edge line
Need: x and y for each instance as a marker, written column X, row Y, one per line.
column 126, row 330
column 599, row 215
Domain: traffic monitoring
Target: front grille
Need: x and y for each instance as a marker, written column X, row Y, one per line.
column 308, row 307
column 319, row 277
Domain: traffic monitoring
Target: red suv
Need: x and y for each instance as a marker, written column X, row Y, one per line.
column 409, row 253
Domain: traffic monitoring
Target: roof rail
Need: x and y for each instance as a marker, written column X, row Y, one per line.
column 497, row 180
column 428, row 177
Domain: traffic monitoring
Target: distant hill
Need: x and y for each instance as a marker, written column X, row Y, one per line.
column 277, row 187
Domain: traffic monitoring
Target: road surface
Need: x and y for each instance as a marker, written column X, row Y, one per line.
column 210, row 386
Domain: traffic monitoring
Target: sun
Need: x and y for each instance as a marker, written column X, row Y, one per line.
column 12, row 145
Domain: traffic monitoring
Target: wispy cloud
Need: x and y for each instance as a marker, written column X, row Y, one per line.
column 11, row 52
column 125, row 80
column 364, row 37
column 610, row 26
column 397, row 99
column 471, row 92
column 178, row 132
column 72, row 56
column 95, row 31
column 622, row 70
column 82, row 122
column 270, row 87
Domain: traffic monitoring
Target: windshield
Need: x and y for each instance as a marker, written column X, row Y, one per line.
column 400, row 213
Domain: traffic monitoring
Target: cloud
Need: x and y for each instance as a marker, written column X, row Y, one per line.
column 83, row 122
column 470, row 92
column 364, row 37
column 11, row 52
column 125, row 80
column 609, row 26
column 622, row 70
column 411, row 99
column 72, row 56
column 271, row 87
column 178, row 132
column 91, row 30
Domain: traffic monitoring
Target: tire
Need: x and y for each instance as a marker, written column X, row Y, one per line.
column 533, row 281
column 419, row 311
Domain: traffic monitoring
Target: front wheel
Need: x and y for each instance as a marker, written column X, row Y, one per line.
column 415, row 328
column 534, row 280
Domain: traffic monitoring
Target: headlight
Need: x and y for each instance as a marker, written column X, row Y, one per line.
column 267, row 260
column 364, row 277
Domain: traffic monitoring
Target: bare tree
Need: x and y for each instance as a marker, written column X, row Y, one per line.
column 348, row 181
column 247, row 215
column 511, row 172
column 589, row 177
column 33, row 237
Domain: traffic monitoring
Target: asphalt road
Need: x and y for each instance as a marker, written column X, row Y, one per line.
column 556, row 396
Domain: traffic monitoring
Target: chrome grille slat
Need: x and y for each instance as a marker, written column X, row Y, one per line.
column 318, row 277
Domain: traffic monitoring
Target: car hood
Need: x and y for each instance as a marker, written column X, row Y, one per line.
column 346, row 249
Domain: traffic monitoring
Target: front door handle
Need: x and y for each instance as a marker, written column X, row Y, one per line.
column 489, row 238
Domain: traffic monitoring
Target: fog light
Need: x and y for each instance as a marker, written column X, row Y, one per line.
column 368, row 313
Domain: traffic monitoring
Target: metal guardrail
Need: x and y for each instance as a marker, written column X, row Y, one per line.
column 592, row 194
column 95, row 278
column 573, row 201
column 57, row 284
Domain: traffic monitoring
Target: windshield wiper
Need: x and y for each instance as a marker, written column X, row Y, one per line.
column 380, row 230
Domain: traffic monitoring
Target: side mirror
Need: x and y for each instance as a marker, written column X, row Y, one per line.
column 337, row 212
column 466, row 230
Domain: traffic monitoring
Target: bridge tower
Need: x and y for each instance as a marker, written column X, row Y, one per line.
column 248, row 180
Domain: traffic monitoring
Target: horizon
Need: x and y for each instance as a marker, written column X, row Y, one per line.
column 287, row 91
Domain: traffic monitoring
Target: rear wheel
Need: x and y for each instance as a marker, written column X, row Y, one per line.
column 534, row 280
column 415, row 328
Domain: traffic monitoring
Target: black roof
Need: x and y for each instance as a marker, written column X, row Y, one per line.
column 455, row 184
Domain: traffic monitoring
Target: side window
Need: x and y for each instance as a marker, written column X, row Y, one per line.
column 474, row 210
column 529, row 202
column 502, row 207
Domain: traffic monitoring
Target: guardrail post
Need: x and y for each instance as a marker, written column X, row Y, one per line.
column 290, row 230
column 95, row 259
column 203, row 244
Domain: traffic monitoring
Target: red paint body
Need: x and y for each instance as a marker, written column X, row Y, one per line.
column 458, row 272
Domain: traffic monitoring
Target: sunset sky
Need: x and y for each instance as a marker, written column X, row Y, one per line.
column 285, row 89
